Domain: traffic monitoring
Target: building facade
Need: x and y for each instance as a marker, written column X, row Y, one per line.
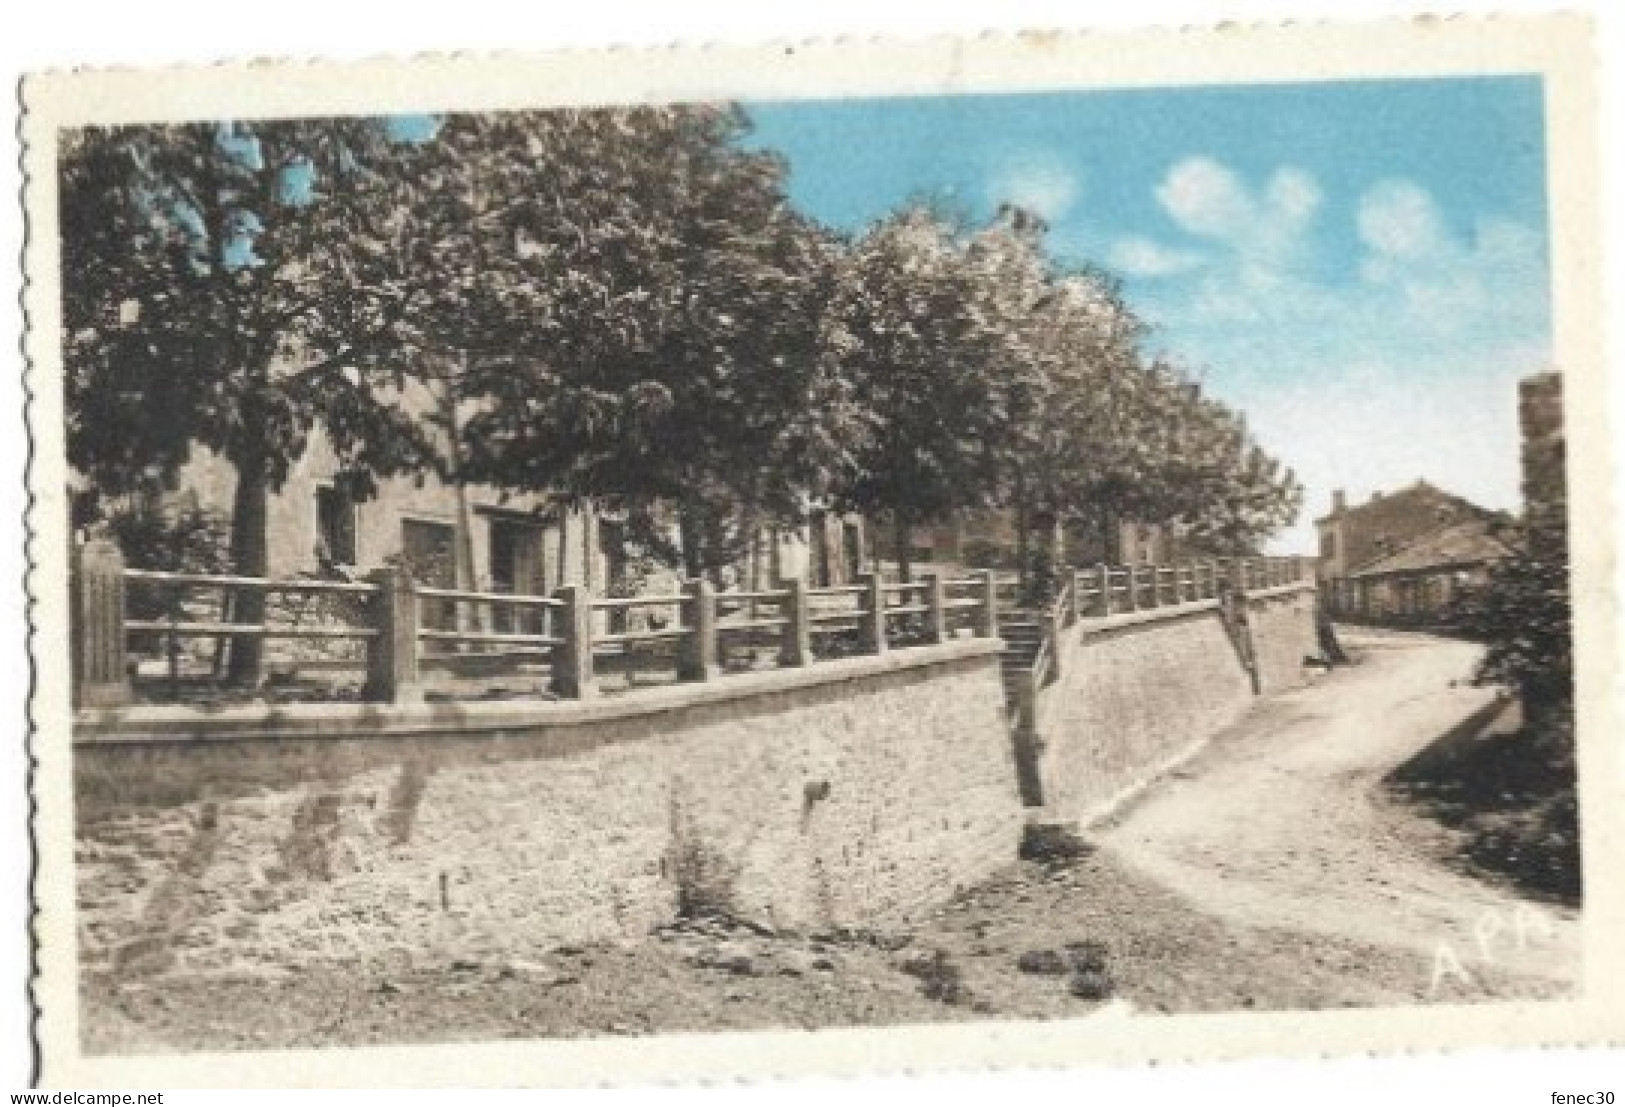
column 1404, row 558
column 477, row 537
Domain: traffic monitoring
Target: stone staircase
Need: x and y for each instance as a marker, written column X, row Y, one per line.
column 1022, row 630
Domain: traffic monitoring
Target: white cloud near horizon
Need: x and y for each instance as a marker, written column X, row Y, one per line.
column 1377, row 427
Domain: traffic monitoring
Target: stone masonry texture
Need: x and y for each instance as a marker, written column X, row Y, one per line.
column 856, row 803
column 1137, row 693
column 1283, row 633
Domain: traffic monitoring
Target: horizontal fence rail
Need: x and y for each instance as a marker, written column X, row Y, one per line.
column 1106, row 590
column 400, row 623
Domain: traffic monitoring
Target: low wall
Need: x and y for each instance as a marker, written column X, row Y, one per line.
column 1282, row 624
column 1141, row 690
column 851, row 793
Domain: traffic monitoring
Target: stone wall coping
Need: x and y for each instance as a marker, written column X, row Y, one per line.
column 1281, row 591
column 1119, row 620
column 169, row 723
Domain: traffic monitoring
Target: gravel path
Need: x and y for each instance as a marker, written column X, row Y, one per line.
column 1282, row 822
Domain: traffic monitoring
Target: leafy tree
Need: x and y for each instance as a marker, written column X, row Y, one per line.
column 236, row 287
column 1087, row 450
column 1014, row 303
column 636, row 309
column 1221, row 489
column 905, row 326
column 1524, row 615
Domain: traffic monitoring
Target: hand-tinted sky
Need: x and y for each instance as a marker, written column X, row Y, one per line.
column 1360, row 266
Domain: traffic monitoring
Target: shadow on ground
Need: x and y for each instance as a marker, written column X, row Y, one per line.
column 1508, row 791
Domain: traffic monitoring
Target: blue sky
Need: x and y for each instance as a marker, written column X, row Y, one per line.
column 1360, row 266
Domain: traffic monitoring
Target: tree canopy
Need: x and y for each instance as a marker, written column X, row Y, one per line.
column 618, row 305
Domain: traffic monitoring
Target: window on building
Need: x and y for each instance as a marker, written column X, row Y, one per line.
column 429, row 555
column 335, row 523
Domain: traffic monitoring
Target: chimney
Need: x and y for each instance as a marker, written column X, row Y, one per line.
column 1340, row 502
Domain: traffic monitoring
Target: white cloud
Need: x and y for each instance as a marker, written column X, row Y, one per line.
column 1397, row 219
column 1440, row 281
column 1039, row 184
column 1145, row 257
column 1416, row 278
column 1262, row 232
column 1294, row 195
column 1212, row 201
column 1206, row 199
column 1365, row 370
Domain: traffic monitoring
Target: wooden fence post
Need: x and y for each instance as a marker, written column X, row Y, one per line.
column 101, row 676
column 697, row 654
column 1072, row 608
column 872, row 621
column 1131, row 588
column 936, row 611
column 392, row 655
column 987, row 623
column 573, row 677
column 1057, row 629
column 796, row 649
column 1103, row 599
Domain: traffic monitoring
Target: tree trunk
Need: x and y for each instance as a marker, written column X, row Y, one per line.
column 1046, row 568
column 901, row 536
column 249, row 558
column 688, row 530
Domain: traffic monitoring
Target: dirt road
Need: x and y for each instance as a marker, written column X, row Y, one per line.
column 1282, row 823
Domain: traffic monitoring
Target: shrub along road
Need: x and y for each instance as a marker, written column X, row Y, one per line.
column 1273, row 871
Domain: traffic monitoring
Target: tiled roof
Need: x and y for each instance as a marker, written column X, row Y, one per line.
column 1463, row 543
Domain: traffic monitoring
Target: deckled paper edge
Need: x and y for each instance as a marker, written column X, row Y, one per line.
column 1556, row 47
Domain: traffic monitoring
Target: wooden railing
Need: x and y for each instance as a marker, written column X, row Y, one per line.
column 871, row 616
column 1107, row 590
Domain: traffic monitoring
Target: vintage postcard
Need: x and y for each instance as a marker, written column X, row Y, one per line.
column 833, row 557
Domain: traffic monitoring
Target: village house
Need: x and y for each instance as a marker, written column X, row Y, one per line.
column 1405, row 557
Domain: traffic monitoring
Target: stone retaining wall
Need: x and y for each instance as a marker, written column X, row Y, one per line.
column 854, row 793
column 1139, row 691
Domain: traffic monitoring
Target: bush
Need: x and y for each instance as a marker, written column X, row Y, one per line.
column 190, row 540
column 1522, row 614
